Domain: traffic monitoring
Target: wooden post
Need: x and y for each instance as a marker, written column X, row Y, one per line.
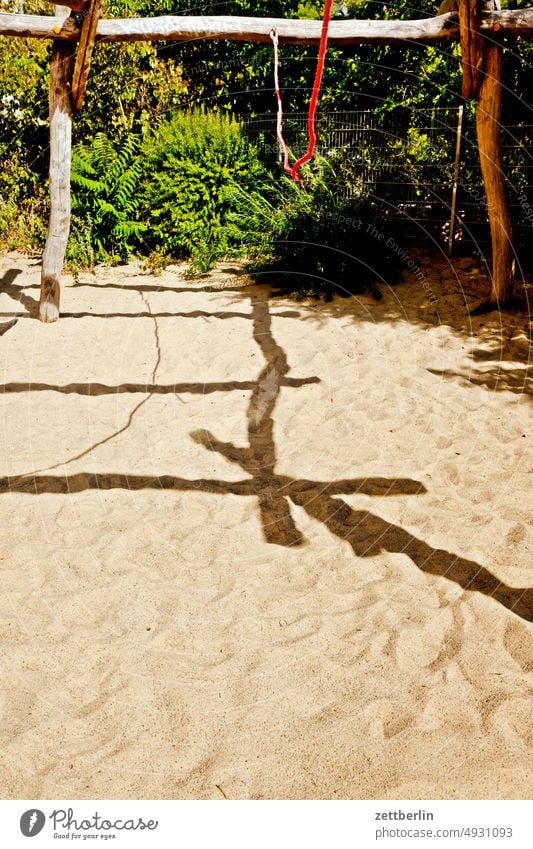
column 84, row 54
column 60, row 118
column 471, row 47
column 491, row 161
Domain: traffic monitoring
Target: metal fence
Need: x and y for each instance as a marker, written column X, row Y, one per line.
column 408, row 163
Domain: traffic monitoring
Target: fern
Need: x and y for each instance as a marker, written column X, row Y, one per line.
column 105, row 177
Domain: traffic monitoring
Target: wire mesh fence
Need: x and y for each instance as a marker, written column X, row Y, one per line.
column 407, row 163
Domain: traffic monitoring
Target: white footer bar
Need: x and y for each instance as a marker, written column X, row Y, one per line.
column 267, row 824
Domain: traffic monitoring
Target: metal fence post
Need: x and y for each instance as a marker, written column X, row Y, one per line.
column 455, row 178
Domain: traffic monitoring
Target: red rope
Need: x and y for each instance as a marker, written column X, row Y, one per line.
column 314, row 96
column 315, row 93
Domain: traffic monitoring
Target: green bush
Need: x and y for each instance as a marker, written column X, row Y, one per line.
column 105, row 204
column 195, row 189
column 23, row 201
column 22, row 225
column 195, row 163
column 307, row 240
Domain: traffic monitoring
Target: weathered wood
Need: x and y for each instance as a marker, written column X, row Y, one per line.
column 259, row 29
column 60, row 158
column 471, row 47
column 170, row 28
column 84, row 54
column 491, row 161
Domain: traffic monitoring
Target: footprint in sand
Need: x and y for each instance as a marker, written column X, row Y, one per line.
column 515, row 535
column 443, row 442
column 398, row 722
column 517, row 642
column 451, row 474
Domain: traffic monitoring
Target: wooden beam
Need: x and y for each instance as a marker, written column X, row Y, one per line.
column 84, row 54
column 171, row 28
column 491, row 161
column 258, row 29
column 60, row 118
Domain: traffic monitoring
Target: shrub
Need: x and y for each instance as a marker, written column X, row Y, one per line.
column 195, row 162
column 105, row 221
column 23, row 201
column 22, row 225
column 307, row 240
column 156, row 262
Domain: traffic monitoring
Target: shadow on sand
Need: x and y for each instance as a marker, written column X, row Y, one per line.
column 366, row 533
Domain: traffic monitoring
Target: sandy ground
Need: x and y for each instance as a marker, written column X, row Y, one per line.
column 264, row 548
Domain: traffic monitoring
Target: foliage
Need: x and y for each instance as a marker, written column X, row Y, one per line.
column 237, row 77
column 193, row 162
column 105, row 176
column 22, row 225
column 23, row 138
column 310, row 241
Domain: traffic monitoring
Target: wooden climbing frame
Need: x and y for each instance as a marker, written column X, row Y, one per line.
column 478, row 26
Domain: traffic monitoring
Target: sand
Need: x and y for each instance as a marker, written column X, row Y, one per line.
column 258, row 548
